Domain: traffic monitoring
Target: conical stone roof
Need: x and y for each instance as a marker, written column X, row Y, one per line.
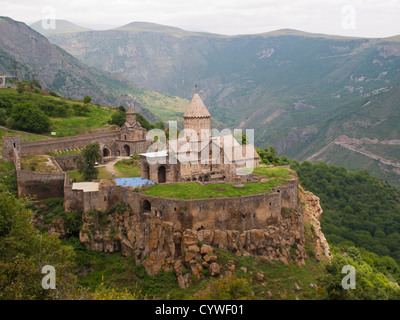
column 196, row 108
column 131, row 111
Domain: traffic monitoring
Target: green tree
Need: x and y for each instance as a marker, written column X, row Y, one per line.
column 24, row 252
column 80, row 110
column 86, row 162
column 159, row 125
column 268, row 156
column 3, row 117
column 20, row 87
column 371, row 282
column 34, row 84
column 144, row 122
column 121, row 108
column 118, row 118
column 28, row 116
column 87, row 99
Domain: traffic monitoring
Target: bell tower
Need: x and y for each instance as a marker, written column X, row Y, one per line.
column 196, row 116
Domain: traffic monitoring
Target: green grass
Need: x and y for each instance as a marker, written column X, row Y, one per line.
column 97, row 118
column 75, row 175
column 103, row 174
column 127, row 168
column 279, row 278
column 193, row 190
column 120, row 272
column 273, row 172
column 38, row 164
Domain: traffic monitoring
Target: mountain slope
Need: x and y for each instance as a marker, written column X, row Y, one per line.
column 294, row 88
column 365, row 136
column 61, row 27
column 33, row 56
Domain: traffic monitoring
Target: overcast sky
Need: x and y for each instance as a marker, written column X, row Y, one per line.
column 365, row 18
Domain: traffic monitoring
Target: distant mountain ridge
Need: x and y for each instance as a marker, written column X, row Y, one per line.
column 60, row 27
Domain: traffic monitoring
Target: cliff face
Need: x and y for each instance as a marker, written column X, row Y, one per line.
column 160, row 245
column 312, row 215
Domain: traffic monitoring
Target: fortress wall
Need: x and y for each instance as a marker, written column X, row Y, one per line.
column 40, row 185
column 43, row 146
column 289, row 194
column 7, row 145
column 229, row 213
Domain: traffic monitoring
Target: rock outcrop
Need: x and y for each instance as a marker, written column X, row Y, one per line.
column 312, row 215
column 160, row 245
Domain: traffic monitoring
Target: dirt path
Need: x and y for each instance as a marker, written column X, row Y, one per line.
column 110, row 165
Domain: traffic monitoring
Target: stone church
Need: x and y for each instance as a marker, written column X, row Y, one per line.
column 131, row 133
column 197, row 155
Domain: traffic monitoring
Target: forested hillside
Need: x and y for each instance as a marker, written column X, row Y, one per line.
column 358, row 208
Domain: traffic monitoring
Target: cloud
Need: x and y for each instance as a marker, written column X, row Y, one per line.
column 374, row 18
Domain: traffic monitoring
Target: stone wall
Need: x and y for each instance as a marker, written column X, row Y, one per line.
column 67, row 162
column 238, row 213
column 40, row 185
column 43, row 146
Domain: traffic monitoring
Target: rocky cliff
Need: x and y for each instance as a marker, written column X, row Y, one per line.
column 160, row 245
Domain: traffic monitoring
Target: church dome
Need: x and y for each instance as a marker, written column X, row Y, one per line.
column 196, row 108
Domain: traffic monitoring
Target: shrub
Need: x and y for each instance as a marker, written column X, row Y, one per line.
column 28, row 116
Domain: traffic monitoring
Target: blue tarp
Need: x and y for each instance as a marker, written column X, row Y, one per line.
column 133, row 182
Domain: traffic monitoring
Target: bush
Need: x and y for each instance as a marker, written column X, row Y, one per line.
column 28, row 116
column 24, row 251
column 80, row 110
column 87, row 99
column 3, row 117
column 118, row 118
column 231, row 288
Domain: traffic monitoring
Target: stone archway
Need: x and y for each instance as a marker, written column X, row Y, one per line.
column 146, row 206
column 127, row 150
column 162, row 174
column 106, row 152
